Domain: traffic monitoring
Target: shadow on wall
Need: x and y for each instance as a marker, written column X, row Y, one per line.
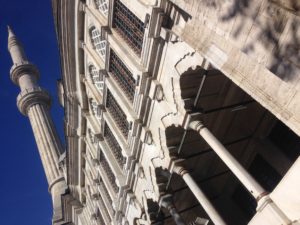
column 285, row 59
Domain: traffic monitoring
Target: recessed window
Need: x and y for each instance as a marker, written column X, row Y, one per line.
column 102, row 6
column 129, row 26
column 96, row 77
column 114, row 146
column 95, row 109
column 109, row 173
column 122, row 75
column 98, row 43
column 117, row 113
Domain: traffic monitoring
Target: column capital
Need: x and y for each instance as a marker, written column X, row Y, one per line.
column 176, row 166
column 189, row 118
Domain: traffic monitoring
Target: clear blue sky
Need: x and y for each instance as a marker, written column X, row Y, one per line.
column 23, row 186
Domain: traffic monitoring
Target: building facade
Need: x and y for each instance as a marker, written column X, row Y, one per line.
column 179, row 112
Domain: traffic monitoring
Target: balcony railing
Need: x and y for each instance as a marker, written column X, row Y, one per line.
column 114, row 146
column 117, row 113
column 129, row 26
column 122, row 75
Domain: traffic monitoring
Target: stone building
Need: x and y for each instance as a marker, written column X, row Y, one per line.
column 176, row 112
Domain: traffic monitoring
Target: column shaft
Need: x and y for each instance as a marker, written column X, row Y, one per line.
column 238, row 170
column 203, row 200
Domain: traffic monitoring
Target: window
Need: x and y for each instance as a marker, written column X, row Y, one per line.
column 114, row 145
column 117, row 113
column 122, row 75
column 92, row 137
column 98, row 43
column 109, row 173
column 130, row 27
column 95, row 108
column 97, row 77
column 102, row 6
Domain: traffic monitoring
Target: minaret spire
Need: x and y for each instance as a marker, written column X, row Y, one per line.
column 35, row 102
column 10, row 32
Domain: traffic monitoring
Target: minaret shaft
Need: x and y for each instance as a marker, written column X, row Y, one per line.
column 47, row 140
column 35, row 102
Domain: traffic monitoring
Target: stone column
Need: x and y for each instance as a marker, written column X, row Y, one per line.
column 256, row 190
column 195, row 189
column 238, row 170
column 35, row 102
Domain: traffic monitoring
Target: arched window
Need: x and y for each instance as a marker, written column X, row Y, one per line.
column 102, row 6
column 96, row 77
column 98, row 43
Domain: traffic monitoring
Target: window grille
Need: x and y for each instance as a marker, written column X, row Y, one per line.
column 129, row 26
column 122, row 75
column 103, row 207
column 98, row 43
column 95, row 108
column 102, row 6
column 96, row 77
column 114, row 146
column 110, row 175
column 117, row 113
column 105, row 191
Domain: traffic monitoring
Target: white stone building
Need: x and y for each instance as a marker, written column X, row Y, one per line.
column 179, row 112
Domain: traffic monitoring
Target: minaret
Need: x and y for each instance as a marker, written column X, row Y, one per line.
column 35, row 102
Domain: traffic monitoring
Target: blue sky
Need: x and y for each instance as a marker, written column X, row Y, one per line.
column 23, row 186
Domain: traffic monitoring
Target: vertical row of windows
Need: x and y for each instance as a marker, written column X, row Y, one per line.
column 129, row 26
column 122, row 75
column 98, row 43
column 117, row 113
column 114, row 146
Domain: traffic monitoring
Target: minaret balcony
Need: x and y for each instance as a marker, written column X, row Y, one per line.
column 32, row 96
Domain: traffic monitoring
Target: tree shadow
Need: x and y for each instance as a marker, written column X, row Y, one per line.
column 285, row 56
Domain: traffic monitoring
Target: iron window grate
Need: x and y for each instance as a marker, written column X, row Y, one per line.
column 106, row 192
column 110, row 175
column 122, row 75
column 117, row 113
column 129, row 26
column 114, row 146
